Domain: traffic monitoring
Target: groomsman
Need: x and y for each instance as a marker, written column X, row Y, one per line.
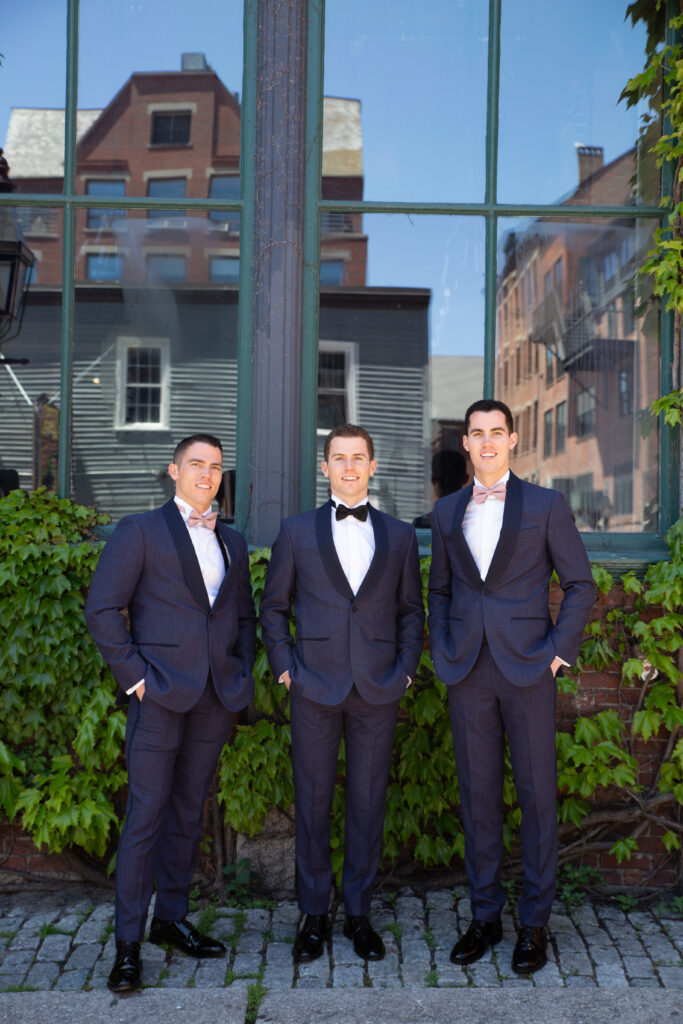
column 495, row 545
column 353, row 574
column 184, row 660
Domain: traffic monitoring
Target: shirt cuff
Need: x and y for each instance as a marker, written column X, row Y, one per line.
column 134, row 688
column 565, row 663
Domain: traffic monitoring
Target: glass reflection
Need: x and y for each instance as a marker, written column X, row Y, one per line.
column 418, row 75
column 165, row 106
column 155, row 356
column 577, row 361
column 563, row 134
column 401, row 344
column 33, row 73
column 30, row 398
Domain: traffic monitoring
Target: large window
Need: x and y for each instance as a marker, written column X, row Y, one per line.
column 490, row 247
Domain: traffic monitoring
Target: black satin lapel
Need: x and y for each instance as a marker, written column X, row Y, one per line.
column 462, row 548
column 379, row 559
column 228, row 552
column 328, row 552
column 188, row 558
column 512, row 517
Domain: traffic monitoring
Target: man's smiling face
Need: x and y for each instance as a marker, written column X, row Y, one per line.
column 198, row 475
column 349, row 468
column 489, row 443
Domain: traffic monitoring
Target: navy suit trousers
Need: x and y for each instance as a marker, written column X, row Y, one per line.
column 368, row 737
column 171, row 759
column 483, row 708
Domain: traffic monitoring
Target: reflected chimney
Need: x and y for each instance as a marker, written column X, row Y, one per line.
column 591, row 159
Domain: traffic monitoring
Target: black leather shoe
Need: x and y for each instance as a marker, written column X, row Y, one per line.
column 309, row 943
column 366, row 941
column 476, row 940
column 530, row 951
column 184, row 937
column 126, row 974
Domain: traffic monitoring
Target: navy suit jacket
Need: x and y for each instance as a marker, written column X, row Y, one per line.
column 176, row 638
column 373, row 639
column 510, row 606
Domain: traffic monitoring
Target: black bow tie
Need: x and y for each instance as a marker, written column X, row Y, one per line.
column 359, row 512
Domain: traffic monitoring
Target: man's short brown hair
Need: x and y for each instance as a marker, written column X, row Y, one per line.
column 490, row 405
column 349, row 430
column 183, row 445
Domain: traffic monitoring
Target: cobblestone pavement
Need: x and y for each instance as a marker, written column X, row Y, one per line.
column 65, row 942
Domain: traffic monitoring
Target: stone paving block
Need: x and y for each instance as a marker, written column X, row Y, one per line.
column 178, row 972
column 54, row 947
column 258, row 919
column 483, row 974
column 84, row 956
column 659, row 948
column 568, row 942
column 575, row 962
column 584, row 916
column 315, row 973
column 72, row 980
column 242, row 983
column 152, row 971
column 278, row 976
column 95, row 928
column 210, row 973
column 630, row 946
column 285, row 913
column 580, row 981
column 671, row 977
column 416, row 951
column 439, row 899
column 638, row 967
column 610, row 976
column 346, row 976
column 279, row 954
column 414, row 975
column 17, row 960
column 42, row 975
column 387, row 967
column 246, row 963
column 561, row 923
column 250, row 941
column 548, row 977
column 606, row 956
column 343, row 951
column 513, row 981
column 69, row 923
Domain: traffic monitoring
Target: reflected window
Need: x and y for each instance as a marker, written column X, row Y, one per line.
column 585, row 412
column 226, row 187
column 99, row 219
column 331, row 272
column 549, row 366
column 168, row 268
column 103, row 266
column 170, row 128
column 166, row 188
column 336, row 385
column 626, row 391
column 143, row 373
column 623, row 489
column 560, row 427
column 548, row 433
column 224, row 269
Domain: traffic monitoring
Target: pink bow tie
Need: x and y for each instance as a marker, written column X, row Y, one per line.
column 209, row 520
column 482, row 493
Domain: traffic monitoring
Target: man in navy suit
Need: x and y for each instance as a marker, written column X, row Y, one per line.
column 495, row 545
column 185, row 661
column 354, row 576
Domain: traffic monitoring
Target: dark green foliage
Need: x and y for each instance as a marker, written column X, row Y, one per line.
column 60, row 764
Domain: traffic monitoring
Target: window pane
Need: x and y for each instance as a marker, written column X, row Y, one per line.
column 564, row 136
column 225, row 187
column 166, row 188
column 225, row 269
column 154, row 361
column 111, row 187
column 401, row 349
column 414, row 125
column 153, row 106
column 30, row 395
column 590, row 365
column 32, row 101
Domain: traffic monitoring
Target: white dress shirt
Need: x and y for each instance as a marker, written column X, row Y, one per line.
column 209, row 556
column 481, row 525
column 354, row 543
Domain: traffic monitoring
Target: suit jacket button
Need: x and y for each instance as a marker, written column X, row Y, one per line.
column 487, row 590
column 354, row 608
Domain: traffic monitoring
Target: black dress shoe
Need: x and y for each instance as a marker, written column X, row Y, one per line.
column 184, row 937
column 366, row 941
column 309, row 943
column 476, row 940
column 530, row 951
column 127, row 970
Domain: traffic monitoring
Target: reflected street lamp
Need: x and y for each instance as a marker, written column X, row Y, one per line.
column 16, row 261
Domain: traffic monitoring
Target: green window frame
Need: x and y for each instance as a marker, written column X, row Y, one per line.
column 609, row 547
